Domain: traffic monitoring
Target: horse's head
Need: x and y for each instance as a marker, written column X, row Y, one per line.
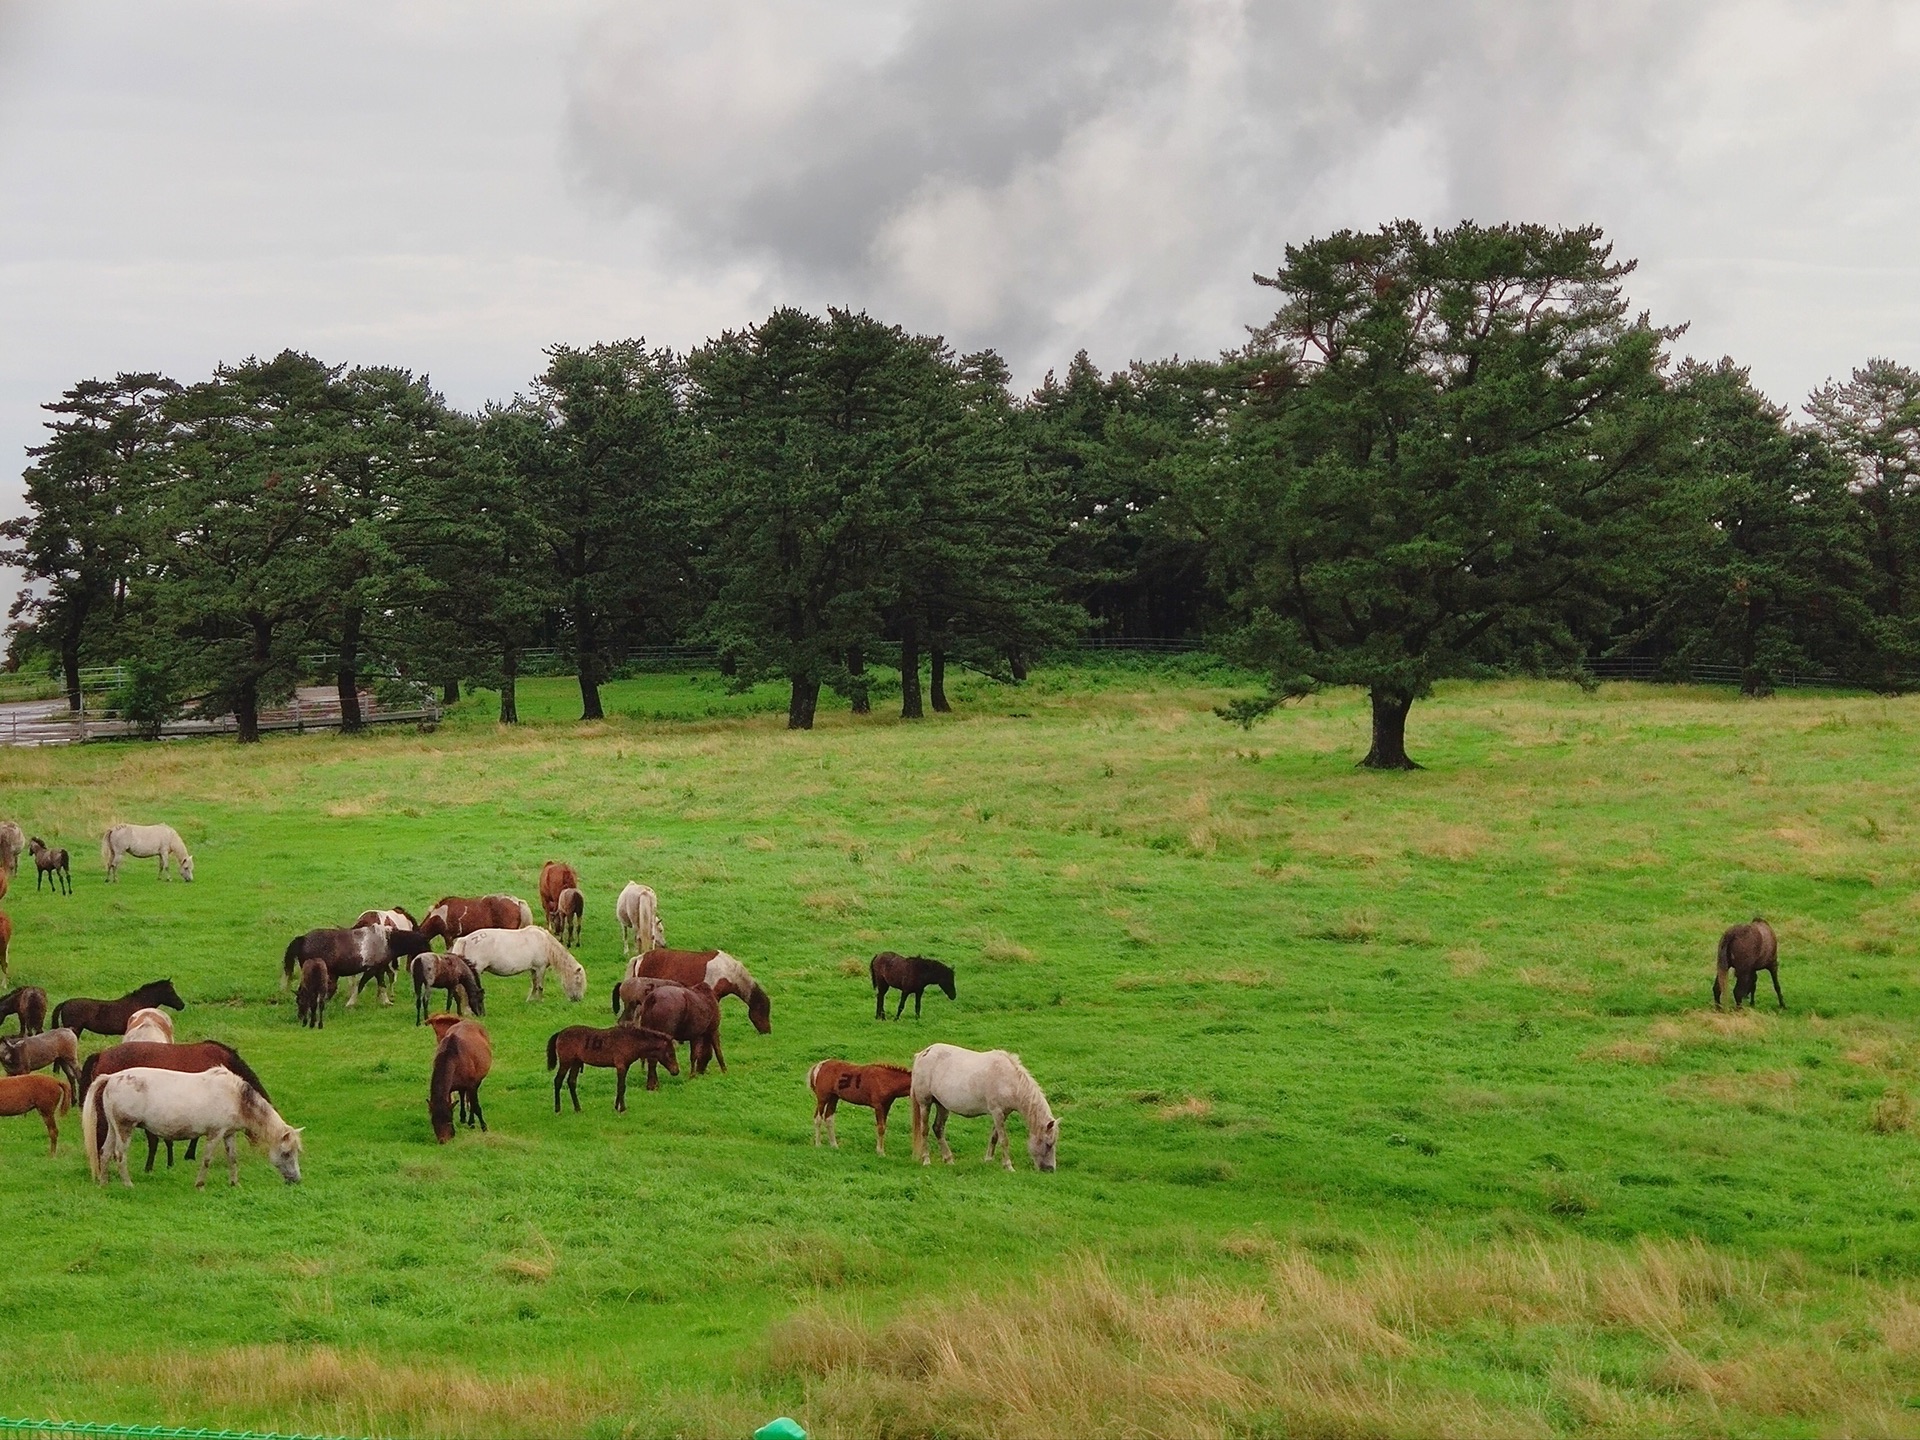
column 573, row 980
column 434, row 924
column 476, row 995
column 165, row 994
column 284, row 1152
column 760, row 1011
column 408, row 943
column 943, row 977
column 1042, row 1143
column 186, row 867
column 10, row 1055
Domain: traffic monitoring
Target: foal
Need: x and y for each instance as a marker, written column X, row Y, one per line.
column 29, row 1005
column 50, row 862
column 60, row 1049
column 310, row 1001
column 875, row 1086
column 50, row 1096
column 616, row 1049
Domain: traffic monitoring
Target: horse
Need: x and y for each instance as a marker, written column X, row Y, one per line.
column 29, row 1005
column 556, row 876
column 143, row 842
column 617, row 1048
column 150, row 1024
column 211, row 1105
column 310, row 1001
column 715, row 968
column 1747, row 950
column 910, row 975
column 630, row 992
column 639, row 911
column 195, row 1056
column 690, row 1013
column 23, row 1054
column 398, row 918
column 948, row 1079
column 109, row 1017
column 453, row 915
column 12, row 841
column 521, row 952
column 359, row 954
column 875, row 1086
column 460, row 1062
column 50, row 862
column 572, row 908
column 451, row 974
column 50, row 1096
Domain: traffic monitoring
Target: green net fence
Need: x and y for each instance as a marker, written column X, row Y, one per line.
column 155, row 1432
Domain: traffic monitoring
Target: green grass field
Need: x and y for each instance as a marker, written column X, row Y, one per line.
column 1389, row 1103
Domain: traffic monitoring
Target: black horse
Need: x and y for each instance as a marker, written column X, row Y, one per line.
column 910, row 975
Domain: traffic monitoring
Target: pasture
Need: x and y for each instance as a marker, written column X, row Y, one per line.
column 1388, row 1103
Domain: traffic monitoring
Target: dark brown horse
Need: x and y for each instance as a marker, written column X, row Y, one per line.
column 715, row 968
column 875, row 1086
column 616, row 1049
column 1746, row 950
column 50, row 862
column 156, row 1055
column 910, row 975
column 572, row 909
column 450, row 973
column 460, row 1062
column 359, row 953
column 556, row 876
column 453, row 916
column 109, row 1017
column 690, row 1013
column 29, row 1005
column 58, row 1049
column 310, row 1001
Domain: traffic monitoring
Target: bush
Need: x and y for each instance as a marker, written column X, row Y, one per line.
column 149, row 697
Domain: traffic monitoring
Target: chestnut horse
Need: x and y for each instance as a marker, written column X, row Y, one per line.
column 29, row 1005
column 875, row 1086
column 109, row 1017
column 910, row 975
column 616, row 1049
column 1746, row 950
column 460, row 1062
column 713, row 968
column 453, row 916
column 45, row 1093
column 555, row 876
column 690, row 1013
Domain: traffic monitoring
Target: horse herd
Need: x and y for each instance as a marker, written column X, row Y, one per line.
column 205, row 1094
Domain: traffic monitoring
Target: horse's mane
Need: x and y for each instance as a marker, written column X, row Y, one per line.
column 732, row 970
column 1029, row 1098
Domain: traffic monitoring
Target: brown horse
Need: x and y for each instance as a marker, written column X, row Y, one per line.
column 460, row 1062
column 450, row 973
column 310, row 1001
column 453, row 916
column 50, row 862
column 690, row 1013
column 23, row 1054
column 630, row 994
column 572, row 909
column 714, row 968
column 1746, row 950
column 910, row 975
column 616, row 1049
column 875, row 1086
column 29, row 1005
column 109, row 1017
column 21, row 1093
column 556, row 876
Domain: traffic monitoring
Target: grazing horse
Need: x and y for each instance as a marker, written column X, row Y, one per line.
column 948, row 1079
column 398, row 918
column 194, row 1056
column 21, row 1093
column 109, row 1017
column 690, row 1013
column 910, row 975
column 453, row 916
column 358, row 954
column 310, row 1001
column 616, row 1049
column 211, row 1105
column 29, row 1004
column 714, row 968
column 875, row 1086
column 1746, row 950
column 143, row 842
column 451, row 974
column 572, row 908
column 23, row 1054
column 151, row 1023
column 12, row 841
column 522, row 952
column 556, row 876
column 50, row 862
column 639, row 911
column 460, row 1062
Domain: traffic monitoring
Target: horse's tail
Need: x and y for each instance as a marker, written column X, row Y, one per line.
column 66, row 1094
column 289, row 960
column 1726, row 950
column 92, row 1117
column 106, row 850
column 812, row 1071
column 553, row 1050
column 57, row 1017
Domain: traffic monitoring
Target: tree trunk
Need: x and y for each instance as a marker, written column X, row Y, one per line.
column 1389, row 750
column 937, row 688
column 1017, row 664
column 729, row 667
column 909, row 671
column 450, row 692
column 802, row 702
column 348, row 674
column 509, row 679
column 70, row 669
column 246, row 711
column 857, row 680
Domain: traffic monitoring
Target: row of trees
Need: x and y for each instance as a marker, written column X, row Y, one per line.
column 1449, row 453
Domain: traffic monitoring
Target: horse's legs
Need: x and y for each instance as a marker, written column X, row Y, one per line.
column 880, row 1126
column 824, row 1112
column 573, row 1084
column 353, row 990
column 477, row 1115
column 940, row 1131
column 559, row 1078
column 1773, row 974
column 233, row 1160
column 153, row 1148
column 193, row 1149
column 620, row 1089
column 121, row 1145
column 901, row 1008
column 53, row 1130
column 919, row 1130
column 994, row 1136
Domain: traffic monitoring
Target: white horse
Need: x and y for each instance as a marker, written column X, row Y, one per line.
column 209, row 1105
column 639, row 911
column 947, row 1079
column 518, row 952
column 151, row 1023
column 143, row 842
column 12, row 841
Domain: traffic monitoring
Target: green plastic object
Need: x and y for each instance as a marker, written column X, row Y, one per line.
column 785, row 1428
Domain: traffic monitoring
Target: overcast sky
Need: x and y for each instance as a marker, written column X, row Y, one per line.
column 450, row 185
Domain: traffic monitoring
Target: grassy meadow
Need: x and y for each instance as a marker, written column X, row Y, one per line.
column 1390, row 1104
